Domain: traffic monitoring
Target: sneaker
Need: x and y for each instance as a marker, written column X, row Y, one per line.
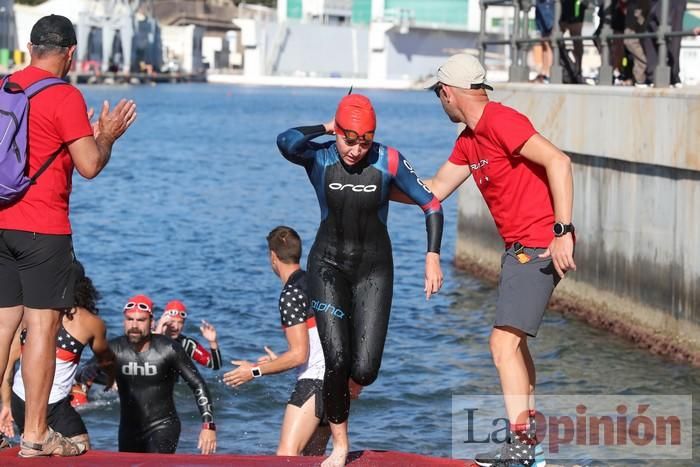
column 510, row 455
column 487, row 459
column 55, row 444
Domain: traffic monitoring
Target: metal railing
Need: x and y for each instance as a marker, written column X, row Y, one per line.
column 519, row 41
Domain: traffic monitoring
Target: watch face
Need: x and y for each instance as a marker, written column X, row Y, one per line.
column 558, row 229
column 256, row 372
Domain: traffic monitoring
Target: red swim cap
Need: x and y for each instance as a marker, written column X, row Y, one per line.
column 355, row 112
column 176, row 308
column 176, row 305
column 139, row 303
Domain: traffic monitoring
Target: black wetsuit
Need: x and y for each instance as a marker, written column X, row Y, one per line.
column 149, row 421
column 209, row 358
column 350, row 270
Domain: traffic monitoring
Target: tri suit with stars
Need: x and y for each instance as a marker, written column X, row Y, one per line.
column 149, row 420
column 295, row 310
column 350, row 266
column 61, row 416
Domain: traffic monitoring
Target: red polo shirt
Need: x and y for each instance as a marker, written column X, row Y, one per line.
column 57, row 116
column 516, row 190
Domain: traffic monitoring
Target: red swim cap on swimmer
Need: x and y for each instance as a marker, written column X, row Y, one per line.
column 139, row 303
column 176, row 308
column 355, row 113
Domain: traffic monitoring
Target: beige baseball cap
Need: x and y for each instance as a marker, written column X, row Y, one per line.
column 461, row 71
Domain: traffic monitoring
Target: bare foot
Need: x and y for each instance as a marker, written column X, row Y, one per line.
column 337, row 458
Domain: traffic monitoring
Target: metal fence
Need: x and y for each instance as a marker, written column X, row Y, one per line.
column 520, row 40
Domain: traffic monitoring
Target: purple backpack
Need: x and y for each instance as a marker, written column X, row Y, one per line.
column 14, row 113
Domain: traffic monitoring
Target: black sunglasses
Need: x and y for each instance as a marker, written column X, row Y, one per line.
column 439, row 86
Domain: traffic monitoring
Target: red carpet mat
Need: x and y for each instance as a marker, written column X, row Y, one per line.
column 8, row 457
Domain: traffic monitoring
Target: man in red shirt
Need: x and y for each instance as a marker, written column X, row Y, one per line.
column 528, row 187
column 36, row 252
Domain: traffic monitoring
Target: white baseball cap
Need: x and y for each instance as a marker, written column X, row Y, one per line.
column 461, row 71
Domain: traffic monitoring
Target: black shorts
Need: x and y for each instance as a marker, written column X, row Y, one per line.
column 36, row 270
column 303, row 390
column 61, row 416
column 162, row 439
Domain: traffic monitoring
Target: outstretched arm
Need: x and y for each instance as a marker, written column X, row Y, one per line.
column 408, row 182
column 296, row 354
column 447, row 179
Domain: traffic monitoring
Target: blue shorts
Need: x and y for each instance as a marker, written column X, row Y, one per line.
column 544, row 17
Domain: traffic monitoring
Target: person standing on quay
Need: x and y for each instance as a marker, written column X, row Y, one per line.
column 36, row 249
column 527, row 184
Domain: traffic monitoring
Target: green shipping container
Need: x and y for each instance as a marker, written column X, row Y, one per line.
column 4, row 57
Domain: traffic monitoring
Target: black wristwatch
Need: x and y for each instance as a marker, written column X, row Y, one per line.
column 560, row 229
column 257, row 373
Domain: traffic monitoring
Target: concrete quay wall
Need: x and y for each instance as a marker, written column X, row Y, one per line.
column 636, row 157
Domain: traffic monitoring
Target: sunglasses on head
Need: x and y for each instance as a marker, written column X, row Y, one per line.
column 140, row 306
column 438, row 88
column 176, row 313
column 352, row 137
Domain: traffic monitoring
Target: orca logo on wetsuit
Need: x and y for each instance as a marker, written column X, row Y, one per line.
column 134, row 369
column 420, row 182
column 327, row 308
column 355, row 188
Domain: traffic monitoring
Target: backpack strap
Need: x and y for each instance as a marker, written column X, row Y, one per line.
column 31, row 91
column 9, row 86
column 46, row 164
column 34, row 89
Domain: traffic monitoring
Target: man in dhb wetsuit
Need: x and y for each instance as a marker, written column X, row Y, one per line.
column 171, row 324
column 147, row 366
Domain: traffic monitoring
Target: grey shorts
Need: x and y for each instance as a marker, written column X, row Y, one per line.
column 524, row 290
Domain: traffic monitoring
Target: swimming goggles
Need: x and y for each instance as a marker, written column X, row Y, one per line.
column 176, row 313
column 140, row 306
column 352, row 137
